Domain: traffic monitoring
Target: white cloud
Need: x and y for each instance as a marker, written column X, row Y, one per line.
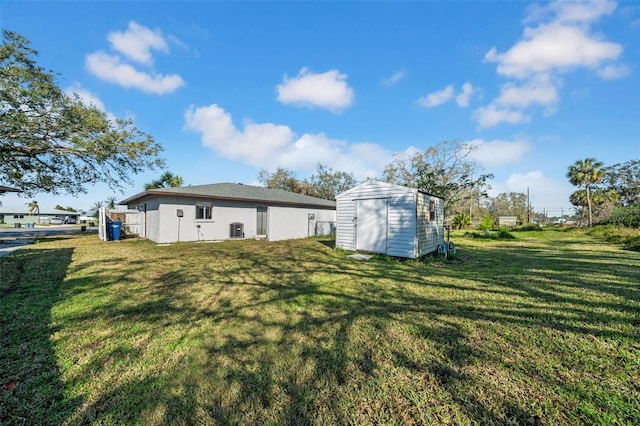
column 545, row 193
column 492, row 115
column 395, row 78
column 137, row 41
column 498, row 152
column 553, row 47
column 135, row 44
column 328, row 90
column 269, row 145
column 573, row 12
column 463, row 98
column 437, row 98
column 561, row 42
column 538, row 90
column 110, row 68
column 612, row 72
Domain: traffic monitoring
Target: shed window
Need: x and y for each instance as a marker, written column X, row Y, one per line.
column 203, row 211
column 432, row 210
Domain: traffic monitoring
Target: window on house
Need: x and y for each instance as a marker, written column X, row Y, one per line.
column 203, row 211
column 432, row 210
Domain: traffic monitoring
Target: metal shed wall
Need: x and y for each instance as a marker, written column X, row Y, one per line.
column 430, row 233
column 402, row 225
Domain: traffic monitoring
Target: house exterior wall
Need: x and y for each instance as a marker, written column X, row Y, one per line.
column 164, row 226
column 150, row 208
column 410, row 233
column 293, row 222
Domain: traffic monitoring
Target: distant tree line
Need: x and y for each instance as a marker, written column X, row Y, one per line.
column 605, row 194
column 324, row 183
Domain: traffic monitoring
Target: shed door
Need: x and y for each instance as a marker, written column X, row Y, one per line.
column 371, row 225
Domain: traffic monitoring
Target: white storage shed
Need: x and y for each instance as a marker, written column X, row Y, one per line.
column 380, row 217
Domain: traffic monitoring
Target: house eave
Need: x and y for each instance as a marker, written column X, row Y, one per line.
column 151, row 192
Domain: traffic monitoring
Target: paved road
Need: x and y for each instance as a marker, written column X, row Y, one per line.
column 13, row 238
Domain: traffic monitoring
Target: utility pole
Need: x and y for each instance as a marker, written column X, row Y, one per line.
column 528, row 207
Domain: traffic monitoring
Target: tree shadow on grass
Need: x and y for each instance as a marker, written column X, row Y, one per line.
column 31, row 389
column 271, row 341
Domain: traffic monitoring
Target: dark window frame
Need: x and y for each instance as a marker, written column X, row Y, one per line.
column 204, row 211
column 432, row 210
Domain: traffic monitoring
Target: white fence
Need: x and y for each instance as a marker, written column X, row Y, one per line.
column 132, row 222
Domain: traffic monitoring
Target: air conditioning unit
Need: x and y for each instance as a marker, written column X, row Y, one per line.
column 236, row 230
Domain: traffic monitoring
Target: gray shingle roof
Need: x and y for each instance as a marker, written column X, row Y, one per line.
column 237, row 191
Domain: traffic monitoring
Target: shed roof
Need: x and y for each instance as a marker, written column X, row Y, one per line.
column 236, row 192
column 379, row 183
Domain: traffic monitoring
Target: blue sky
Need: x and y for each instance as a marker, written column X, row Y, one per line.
column 229, row 88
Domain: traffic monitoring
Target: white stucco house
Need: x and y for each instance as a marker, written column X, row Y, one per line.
column 380, row 217
column 229, row 211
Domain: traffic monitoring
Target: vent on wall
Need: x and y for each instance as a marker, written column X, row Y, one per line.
column 236, row 230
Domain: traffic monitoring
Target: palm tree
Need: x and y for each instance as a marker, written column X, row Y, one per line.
column 97, row 205
column 34, row 208
column 579, row 199
column 112, row 202
column 586, row 173
column 167, row 180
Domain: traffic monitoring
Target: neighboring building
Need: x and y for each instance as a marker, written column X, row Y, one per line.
column 229, row 210
column 380, row 217
column 507, row 221
column 22, row 215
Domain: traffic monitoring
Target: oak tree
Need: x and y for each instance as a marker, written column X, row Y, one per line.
column 51, row 142
column 446, row 170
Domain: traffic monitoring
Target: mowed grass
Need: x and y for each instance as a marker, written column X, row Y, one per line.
column 544, row 329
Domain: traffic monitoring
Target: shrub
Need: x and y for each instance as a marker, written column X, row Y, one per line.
column 528, row 228
column 629, row 238
column 461, row 220
column 633, row 244
column 486, row 222
column 503, row 234
column 625, row 216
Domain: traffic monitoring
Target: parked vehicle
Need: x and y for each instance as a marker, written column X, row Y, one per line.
column 56, row 221
column 70, row 221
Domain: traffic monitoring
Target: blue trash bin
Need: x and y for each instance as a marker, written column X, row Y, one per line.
column 115, row 230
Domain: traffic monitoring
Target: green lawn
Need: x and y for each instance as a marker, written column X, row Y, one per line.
column 543, row 329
